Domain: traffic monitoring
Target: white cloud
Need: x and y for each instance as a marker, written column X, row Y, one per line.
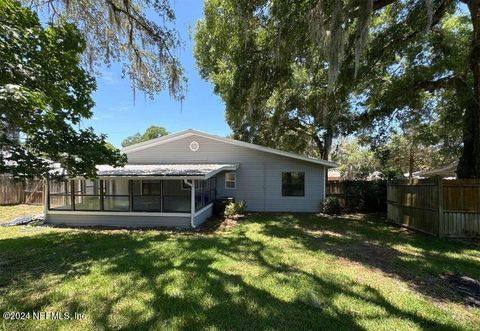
column 120, row 108
column 109, row 77
column 101, row 117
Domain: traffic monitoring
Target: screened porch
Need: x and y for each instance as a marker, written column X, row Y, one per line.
column 130, row 195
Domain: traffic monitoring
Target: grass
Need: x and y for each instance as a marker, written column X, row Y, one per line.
column 269, row 272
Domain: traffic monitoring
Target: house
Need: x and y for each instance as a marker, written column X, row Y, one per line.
column 334, row 175
column 172, row 181
column 448, row 172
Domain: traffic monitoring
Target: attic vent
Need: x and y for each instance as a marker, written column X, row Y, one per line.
column 194, row 146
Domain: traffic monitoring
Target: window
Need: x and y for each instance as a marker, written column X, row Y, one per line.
column 293, row 184
column 230, row 180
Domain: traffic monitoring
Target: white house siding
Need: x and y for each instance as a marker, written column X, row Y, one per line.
column 259, row 176
column 72, row 219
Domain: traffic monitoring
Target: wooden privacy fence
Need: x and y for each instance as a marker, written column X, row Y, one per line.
column 14, row 192
column 445, row 208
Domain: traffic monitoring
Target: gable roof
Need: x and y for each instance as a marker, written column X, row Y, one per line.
column 191, row 132
column 445, row 171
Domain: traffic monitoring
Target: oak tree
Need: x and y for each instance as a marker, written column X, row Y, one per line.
column 44, row 94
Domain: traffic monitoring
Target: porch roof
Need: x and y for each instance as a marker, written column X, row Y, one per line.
column 192, row 171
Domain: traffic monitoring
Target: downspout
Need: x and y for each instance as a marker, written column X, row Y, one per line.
column 192, row 201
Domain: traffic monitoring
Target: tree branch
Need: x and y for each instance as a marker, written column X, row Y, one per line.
column 143, row 25
column 437, row 16
column 441, row 83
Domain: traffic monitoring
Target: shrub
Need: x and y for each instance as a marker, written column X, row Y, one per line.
column 235, row 208
column 331, row 206
column 361, row 195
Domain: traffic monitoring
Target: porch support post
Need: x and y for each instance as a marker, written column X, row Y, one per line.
column 192, row 201
column 130, row 195
column 72, row 193
column 192, row 204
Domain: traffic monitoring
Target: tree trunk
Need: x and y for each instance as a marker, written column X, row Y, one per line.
column 327, row 144
column 469, row 165
column 411, row 162
column 324, row 144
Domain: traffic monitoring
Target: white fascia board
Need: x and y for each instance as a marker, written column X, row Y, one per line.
column 226, row 168
column 156, row 141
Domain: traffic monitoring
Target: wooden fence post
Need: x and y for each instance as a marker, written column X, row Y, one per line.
column 441, row 231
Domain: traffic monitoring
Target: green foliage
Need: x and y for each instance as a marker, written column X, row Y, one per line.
column 235, row 208
column 124, row 32
column 44, row 94
column 365, row 196
column 355, row 161
column 295, row 75
column 331, row 206
column 151, row 133
column 270, row 74
column 412, row 118
column 420, row 83
column 404, row 154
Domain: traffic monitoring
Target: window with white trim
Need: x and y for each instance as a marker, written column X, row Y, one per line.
column 230, row 180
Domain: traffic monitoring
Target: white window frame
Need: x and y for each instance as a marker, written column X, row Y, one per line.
column 234, row 180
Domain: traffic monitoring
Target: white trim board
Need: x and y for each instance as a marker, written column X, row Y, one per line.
column 203, row 209
column 192, row 132
column 114, row 213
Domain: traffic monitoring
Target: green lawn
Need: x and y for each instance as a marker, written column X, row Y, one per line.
column 269, row 272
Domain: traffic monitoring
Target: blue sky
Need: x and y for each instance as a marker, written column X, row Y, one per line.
column 117, row 113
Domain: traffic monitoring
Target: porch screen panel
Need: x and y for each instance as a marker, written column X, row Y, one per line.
column 116, row 195
column 176, row 199
column 59, row 197
column 147, row 195
column 86, row 194
column 204, row 193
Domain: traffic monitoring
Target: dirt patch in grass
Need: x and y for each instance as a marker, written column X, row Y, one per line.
column 468, row 288
column 216, row 224
column 441, row 288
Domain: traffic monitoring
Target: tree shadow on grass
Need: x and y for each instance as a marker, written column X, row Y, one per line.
column 425, row 262
column 186, row 281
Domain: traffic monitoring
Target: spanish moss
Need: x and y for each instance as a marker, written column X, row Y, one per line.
column 364, row 20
